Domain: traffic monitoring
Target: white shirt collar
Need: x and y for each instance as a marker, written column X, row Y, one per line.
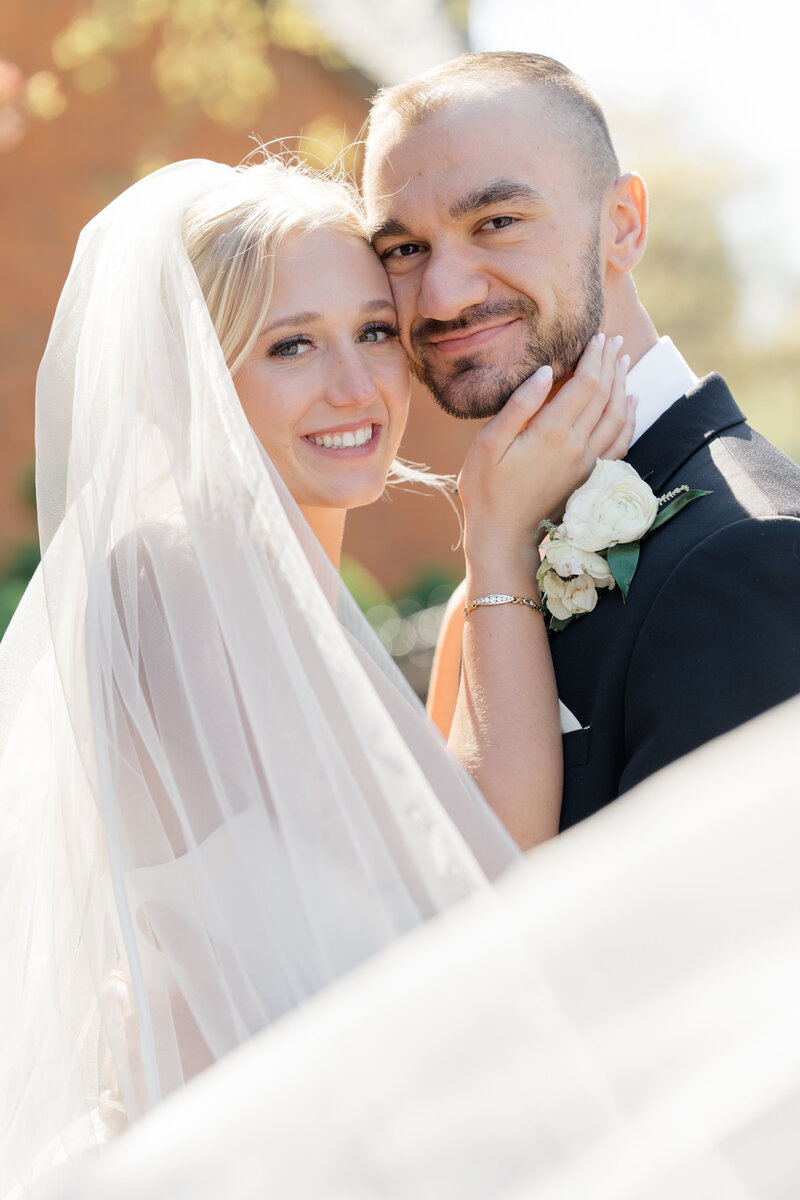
column 659, row 378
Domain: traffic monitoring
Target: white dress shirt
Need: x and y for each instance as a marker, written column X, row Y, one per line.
column 659, row 378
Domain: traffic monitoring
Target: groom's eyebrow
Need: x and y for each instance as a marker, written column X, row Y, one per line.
column 391, row 227
column 499, row 191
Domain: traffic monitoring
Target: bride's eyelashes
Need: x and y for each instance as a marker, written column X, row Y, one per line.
column 291, row 347
column 297, row 345
column 379, row 331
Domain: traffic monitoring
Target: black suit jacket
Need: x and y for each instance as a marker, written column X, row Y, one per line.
column 710, row 635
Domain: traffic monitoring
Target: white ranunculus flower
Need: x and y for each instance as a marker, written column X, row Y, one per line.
column 580, row 595
column 568, row 597
column 614, row 505
column 568, row 560
column 552, row 587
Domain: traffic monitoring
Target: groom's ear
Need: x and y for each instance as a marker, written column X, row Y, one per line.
column 626, row 223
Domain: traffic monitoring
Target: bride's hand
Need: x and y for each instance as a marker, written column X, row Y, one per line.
column 527, row 460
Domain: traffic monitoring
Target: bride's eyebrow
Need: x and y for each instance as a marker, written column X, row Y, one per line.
column 299, row 318
column 371, row 306
column 308, row 317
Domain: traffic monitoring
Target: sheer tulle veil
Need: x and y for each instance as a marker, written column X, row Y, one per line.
column 212, row 775
column 616, row 1020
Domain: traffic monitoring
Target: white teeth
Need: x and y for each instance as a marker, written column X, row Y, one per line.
column 341, row 441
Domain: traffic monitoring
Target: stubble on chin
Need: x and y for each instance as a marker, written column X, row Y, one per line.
column 473, row 390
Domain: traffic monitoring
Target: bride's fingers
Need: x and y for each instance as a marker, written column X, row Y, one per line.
column 570, row 401
column 615, row 424
column 523, row 404
column 598, row 388
column 620, row 447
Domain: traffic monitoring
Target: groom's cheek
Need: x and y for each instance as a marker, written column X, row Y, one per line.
column 405, row 342
column 404, row 325
column 405, row 298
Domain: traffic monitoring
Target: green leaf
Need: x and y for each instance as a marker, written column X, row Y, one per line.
column 623, row 560
column 548, row 526
column 674, row 507
column 557, row 624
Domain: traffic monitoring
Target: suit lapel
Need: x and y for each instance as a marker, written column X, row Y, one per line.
column 658, row 456
column 687, row 425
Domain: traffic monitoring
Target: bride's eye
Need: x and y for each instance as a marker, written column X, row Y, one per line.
column 380, row 331
column 291, row 347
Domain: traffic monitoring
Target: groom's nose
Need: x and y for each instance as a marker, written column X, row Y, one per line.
column 452, row 281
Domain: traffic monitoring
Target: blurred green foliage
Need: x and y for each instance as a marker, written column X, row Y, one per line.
column 429, row 586
column 362, row 584
column 14, row 577
column 407, row 624
column 19, row 566
column 689, row 283
column 212, row 53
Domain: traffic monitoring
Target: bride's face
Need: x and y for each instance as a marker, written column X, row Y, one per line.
column 326, row 388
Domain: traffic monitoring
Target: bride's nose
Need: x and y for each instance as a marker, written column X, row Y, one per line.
column 350, row 383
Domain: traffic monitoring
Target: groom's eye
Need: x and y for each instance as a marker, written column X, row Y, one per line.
column 405, row 250
column 498, row 223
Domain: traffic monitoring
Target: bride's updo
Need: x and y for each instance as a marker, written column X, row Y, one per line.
column 234, row 234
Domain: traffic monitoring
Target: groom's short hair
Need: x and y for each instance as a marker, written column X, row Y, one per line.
column 411, row 102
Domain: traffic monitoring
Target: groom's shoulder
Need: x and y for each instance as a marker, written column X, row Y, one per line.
column 768, row 475
column 747, row 473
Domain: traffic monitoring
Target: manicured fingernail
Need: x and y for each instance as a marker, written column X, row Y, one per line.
column 544, row 374
column 625, row 362
column 600, row 338
column 616, row 341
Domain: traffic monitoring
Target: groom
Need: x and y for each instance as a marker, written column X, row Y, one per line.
column 500, row 212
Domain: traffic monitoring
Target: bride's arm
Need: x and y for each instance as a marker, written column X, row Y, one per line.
column 446, row 668
column 523, row 465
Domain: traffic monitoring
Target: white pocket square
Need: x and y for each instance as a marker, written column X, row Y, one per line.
column 569, row 722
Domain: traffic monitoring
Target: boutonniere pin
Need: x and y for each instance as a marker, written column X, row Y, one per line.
column 597, row 543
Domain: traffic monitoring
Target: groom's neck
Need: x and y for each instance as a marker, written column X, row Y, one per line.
column 626, row 315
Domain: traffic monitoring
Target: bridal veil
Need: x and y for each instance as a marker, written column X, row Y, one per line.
column 617, row 1020
column 212, row 777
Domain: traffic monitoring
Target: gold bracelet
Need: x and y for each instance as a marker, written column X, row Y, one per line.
column 502, row 598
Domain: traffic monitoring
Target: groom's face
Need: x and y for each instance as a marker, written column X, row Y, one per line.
column 489, row 228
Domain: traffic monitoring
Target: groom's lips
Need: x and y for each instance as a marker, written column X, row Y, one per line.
column 465, row 341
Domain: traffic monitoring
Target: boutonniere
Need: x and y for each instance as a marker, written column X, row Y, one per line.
column 597, row 543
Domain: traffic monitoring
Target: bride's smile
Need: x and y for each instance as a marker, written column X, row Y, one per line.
column 346, row 438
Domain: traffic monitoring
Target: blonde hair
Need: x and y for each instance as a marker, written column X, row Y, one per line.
column 233, row 238
column 234, row 235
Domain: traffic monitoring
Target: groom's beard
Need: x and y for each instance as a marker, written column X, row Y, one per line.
column 470, row 387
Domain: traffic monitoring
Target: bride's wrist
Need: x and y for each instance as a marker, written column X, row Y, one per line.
column 521, row 559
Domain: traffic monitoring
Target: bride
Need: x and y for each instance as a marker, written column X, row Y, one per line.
column 218, row 794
